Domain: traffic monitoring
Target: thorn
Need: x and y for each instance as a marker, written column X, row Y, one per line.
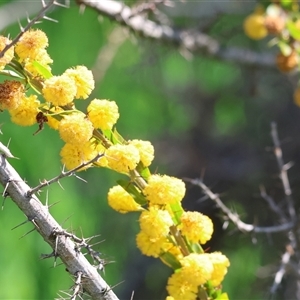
column 49, row 206
column 45, row 256
column 60, row 185
column 20, row 224
column 27, row 233
column 5, row 151
column 82, row 8
column 34, row 223
column 50, row 19
column 20, row 25
column 60, row 4
column 76, row 176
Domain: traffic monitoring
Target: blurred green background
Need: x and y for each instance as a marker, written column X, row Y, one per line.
column 201, row 114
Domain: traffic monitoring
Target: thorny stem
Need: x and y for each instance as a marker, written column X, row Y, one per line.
column 45, row 225
column 39, row 16
column 63, row 174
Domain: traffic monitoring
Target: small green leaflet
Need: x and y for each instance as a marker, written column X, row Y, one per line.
column 132, row 190
column 42, row 70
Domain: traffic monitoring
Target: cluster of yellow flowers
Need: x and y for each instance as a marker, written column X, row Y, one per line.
column 281, row 20
column 166, row 230
column 284, row 24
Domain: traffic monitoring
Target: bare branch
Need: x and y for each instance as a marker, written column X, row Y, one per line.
column 272, row 203
column 235, row 218
column 46, row 225
column 63, row 174
column 40, row 15
column 283, row 171
column 192, row 41
column 285, row 259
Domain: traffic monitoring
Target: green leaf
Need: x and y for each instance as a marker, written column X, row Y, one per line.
column 42, row 70
column 133, row 191
column 196, row 248
column 145, row 172
column 11, row 74
column 294, row 30
column 287, row 4
column 285, row 49
column 114, row 136
column 177, row 211
column 170, row 260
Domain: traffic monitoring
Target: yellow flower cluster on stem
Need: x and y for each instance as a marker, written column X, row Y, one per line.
column 166, row 230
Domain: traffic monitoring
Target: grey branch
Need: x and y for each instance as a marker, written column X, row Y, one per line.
column 37, row 18
column 283, row 168
column 46, row 225
column 191, row 40
column 235, row 218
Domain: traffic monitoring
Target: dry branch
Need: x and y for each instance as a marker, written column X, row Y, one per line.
column 46, row 226
column 190, row 40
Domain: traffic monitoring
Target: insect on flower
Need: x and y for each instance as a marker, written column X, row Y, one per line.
column 40, row 119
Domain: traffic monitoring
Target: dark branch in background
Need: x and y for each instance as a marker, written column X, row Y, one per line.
column 288, row 219
column 65, row 246
column 283, row 168
column 192, row 41
column 235, row 219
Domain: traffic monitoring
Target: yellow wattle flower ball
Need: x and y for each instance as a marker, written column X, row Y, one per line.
column 75, row 129
column 220, row 263
column 146, row 151
column 164, row 189
column 103, row 113
column 122, row 158
column 52, row 121
column 180, row 288
column 73, row 156
column 25, row 113
column 121, row 201
column 84, row 81
column 150, row 246
column 254, row 26
column 59, row 90
column 155, row 222
column 9, row 54
column 197, row 268
column 31, row 43
column 11, row 94
column 196, row 227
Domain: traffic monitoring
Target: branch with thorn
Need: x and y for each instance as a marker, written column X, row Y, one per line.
column 63, row 246
column 63, row 174
column 40, row 15
column 192, row 41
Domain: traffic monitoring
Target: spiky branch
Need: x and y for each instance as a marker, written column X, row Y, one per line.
column 191, row 40
column 64, row 245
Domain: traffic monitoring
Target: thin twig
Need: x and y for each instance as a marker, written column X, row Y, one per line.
column 285, row 259
column 39, row 16
column 63, row 174
column 283, row 168
column 273, row 206
column 235, row 218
